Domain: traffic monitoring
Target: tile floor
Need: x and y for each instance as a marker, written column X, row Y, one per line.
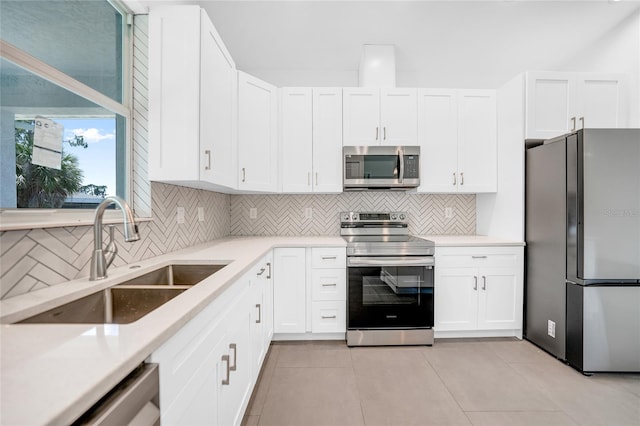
column 454, row 382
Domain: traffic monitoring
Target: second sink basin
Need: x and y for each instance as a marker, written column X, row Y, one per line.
column 128, row 301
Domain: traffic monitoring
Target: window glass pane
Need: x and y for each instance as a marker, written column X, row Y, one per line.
column 80, row 38
column 92, row 142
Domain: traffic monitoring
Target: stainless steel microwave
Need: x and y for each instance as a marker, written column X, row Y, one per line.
column 381, row 167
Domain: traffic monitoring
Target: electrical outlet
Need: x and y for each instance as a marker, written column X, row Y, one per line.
column 308, row 213
column 253, row 213
column 200, row 214
column 551, row 328
column 180, row 215
column 448, row 212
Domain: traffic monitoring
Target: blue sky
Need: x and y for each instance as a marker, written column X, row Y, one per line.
column 98, row 160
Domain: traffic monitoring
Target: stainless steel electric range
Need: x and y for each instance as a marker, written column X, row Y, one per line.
column 389, row 280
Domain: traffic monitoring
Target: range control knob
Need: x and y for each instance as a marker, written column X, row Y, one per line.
column 345, row 216
column 354, row 216
column 394, row 216
column 402, row 216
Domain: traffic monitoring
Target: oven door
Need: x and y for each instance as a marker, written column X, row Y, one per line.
column 390, row 292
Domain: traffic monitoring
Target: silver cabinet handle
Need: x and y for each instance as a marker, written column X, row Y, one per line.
column 478, row 257
column 329, row 257
column 377, row 131
column 225, row 358
column 328, row 316
column 259, row 320
column 475, row 282
column 269, row 273
column 582, row 120
column 455, row 180
column 573, row 120
column 308, row 178
column 329, row 285
column 461, row 178
column 384, row 133
column 235, row 356
column 261, row 272
column 208, row 154
column 244, row 175
column 316, row 178
column 484, row 282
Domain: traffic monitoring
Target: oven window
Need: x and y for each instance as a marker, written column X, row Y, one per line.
column 394, row 286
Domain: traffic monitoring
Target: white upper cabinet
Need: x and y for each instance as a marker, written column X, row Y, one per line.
column 458, row 140
column 561, row 102
column 296, row 132
column 380, row 116
column 192, row 100
column 257, row 134
column 311, row 139
column 327, row 139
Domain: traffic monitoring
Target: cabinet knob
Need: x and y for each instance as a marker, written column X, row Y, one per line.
column 461, row 178
column 573, row 127
column 225, row 358
column 259, row 320
column 234, row 347
column 244, row 174
column 484, row 282
column 475, row 282
column 377, row 131
column 455, row 180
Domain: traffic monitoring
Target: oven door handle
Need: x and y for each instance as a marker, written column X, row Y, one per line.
column 391, row 261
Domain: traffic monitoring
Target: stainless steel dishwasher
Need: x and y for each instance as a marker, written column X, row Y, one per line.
column 134, row 401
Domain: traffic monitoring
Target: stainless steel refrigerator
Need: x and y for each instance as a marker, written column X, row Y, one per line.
column 582, row 299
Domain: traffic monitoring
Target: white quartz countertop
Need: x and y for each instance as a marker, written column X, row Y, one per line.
column 469, row 241
column 52, row 373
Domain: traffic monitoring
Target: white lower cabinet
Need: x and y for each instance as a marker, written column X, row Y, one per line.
column 309, row 291
column 208, row 368
column 289, row 290
column 478, row 291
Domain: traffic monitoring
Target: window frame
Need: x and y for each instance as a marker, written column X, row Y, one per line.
column 14, row 219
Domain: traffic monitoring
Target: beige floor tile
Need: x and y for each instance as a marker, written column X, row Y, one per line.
column 408, row 412
column 519, row 351
column 312, row 356
column 519, row 418
column 250, row 420
column 588, row 401
column 312, row 396
column 479, row 380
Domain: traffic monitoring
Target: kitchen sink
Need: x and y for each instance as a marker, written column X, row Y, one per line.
column 128, row 301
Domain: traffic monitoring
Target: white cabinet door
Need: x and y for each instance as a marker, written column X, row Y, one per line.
column 438, row 118
column 602, row 101
column 361, row 116
column 398, row 117
column 174, row 91
column 456, row 299
column 477, row 141
column 192, row 99
column 500, row 299
column 296, row 134
column 257, row 134
column 235, row 392
column 289, row 292
column 327, row 139
column 218, row 111
column 550, row 104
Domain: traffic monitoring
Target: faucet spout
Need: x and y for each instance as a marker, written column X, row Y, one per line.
column 99, row 262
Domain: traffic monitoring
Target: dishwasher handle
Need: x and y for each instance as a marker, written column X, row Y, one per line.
column 135, row 400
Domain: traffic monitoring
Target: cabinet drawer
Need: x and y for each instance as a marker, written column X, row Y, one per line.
column 479, row 256
column 328, row 317
column 328, row 284
column 329, row 257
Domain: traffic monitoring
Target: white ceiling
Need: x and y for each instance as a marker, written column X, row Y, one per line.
column 442, row 43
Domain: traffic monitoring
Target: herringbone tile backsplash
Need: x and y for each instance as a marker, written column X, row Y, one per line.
column 285, row 214
column 39, row 258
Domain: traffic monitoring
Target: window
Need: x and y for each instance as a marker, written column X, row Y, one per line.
column 63, row 62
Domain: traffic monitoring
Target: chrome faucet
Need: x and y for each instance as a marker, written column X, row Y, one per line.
column 102, row 258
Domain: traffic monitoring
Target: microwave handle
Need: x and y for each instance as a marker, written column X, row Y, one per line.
column 400, row 151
